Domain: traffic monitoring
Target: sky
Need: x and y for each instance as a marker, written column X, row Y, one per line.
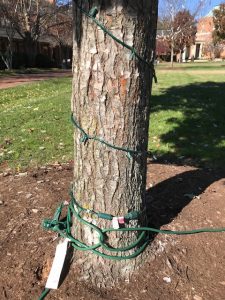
column 191, row 4
column 209, row 5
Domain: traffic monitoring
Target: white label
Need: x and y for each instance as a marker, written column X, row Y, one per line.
column 57, row 265
column 115, row 223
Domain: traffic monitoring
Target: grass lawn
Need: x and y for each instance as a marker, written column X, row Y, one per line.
column 187, row 118
column 34, row 124
column 193, row 66
column 188, row 113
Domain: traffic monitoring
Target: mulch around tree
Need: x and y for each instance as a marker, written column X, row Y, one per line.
column 181, row 267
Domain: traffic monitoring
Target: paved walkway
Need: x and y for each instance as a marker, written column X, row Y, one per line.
column 11, row 81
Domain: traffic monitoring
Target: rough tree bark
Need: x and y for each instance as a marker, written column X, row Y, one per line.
column 111, row 97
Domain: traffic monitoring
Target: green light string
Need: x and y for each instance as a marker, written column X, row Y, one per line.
column 138, row 246
column 63, row 228
column 44, row 294
column 92, row 15
column 86, row 137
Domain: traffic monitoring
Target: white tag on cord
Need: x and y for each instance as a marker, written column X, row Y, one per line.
column 115, row 223
column 57, row 265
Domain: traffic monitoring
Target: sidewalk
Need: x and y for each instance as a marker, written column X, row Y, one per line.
column 11, row 81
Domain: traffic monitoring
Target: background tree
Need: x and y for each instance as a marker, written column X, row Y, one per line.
column 213, row 50
column 219, row 24
column 111, row 94
column 33, row 20
column 29, row 19
column 8, row 26
column 60, row 30
column 170, row 15
column 185, row 27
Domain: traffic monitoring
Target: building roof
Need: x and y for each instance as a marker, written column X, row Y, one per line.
column 3, row 33
column 16, row 36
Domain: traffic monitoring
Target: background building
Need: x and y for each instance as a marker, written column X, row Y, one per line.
column 53, row 49
column 202, row 49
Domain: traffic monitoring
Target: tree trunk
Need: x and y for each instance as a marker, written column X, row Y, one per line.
column 60, row 56
column 172, row 53
column 111, row 96
column 180, row 56
column 30, row 49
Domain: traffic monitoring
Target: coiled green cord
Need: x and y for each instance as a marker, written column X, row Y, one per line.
column 138, row 246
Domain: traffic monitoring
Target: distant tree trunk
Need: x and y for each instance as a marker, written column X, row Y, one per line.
column 172, row 53
column 7, row 57
column 180, row 56
column 111, row 97
column 60, row 63
column 30, row 49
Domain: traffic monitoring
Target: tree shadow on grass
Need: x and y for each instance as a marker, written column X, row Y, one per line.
column 167, row 199
column 199, row 135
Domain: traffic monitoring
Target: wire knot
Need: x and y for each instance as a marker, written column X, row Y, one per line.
column 129, row 155
column 84, row 139
column 93, row 12
column 133, row 53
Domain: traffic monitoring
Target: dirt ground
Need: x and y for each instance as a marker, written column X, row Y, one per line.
column 12, row 81
column 182, row 267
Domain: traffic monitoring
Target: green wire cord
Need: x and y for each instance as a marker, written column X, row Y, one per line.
column 86, row 137
column 44, row 294
column 92, row 14
column 138, row 246
column 63, row 228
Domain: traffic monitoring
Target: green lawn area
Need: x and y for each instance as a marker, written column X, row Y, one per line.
column 187, row 118
column 35, row 126
column 193, row 66
column 188, row 113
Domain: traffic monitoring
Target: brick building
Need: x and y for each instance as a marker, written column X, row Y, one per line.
column 203, row 47
column 204, row 37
